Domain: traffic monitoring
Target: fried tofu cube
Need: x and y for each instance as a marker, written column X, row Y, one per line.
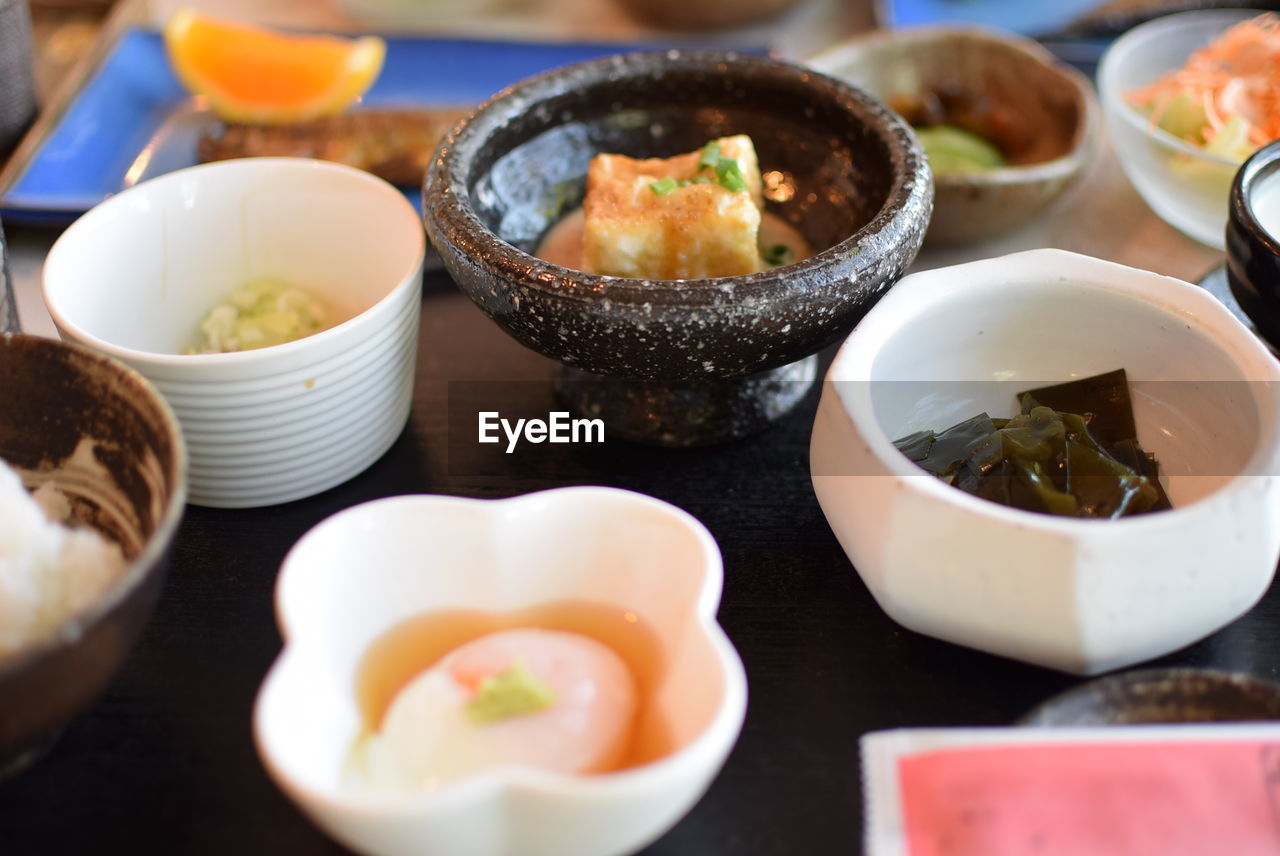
column 690, row 227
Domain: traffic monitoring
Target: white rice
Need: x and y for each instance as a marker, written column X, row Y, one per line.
column 48, row 571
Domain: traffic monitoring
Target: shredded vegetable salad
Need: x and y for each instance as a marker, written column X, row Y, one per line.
column 1226, row 98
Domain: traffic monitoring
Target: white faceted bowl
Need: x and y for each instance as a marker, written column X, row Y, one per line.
column 134, row 276
column 367, row 569
column 1083, row 596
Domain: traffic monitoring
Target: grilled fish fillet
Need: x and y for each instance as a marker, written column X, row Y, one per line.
column 394, row 144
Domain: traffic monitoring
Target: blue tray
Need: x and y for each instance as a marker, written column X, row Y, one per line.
column 1042, row 20
column 1029, row 17
column 133, row 120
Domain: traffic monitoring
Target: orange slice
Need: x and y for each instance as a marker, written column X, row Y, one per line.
column 263, row 77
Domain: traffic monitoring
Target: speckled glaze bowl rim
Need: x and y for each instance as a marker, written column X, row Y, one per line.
column 1111, row 98
column 1124, row 679
column 1082, row 143
column 141, row 566
column 458, row 223
column 1262, row 164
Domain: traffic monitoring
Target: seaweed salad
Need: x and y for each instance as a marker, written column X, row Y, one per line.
column 1072, row 451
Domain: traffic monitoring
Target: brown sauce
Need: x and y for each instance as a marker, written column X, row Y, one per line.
column 401, row 653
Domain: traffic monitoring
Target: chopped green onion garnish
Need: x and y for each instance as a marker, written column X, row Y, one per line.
column 730, row 174
column 778, row 254
column 513, row 692
column 710, row 155
column 663, row 186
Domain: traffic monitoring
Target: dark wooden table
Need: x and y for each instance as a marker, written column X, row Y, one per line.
column 165, row 762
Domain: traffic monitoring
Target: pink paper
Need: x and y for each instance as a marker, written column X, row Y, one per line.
column 1094, row 799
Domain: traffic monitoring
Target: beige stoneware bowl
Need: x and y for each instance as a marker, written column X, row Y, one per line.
column 1053, row 104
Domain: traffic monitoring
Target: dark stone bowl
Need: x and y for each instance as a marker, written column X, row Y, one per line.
column 133, row 491
column 1161, row 696
column 1253, row 253
column 859, row 191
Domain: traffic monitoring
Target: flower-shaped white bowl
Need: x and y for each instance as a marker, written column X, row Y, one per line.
column 367, row 569
column 134, row 276
column 1083, row 596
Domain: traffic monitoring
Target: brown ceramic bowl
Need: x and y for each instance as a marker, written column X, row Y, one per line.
column 128, row 482
column 1048, row 108
column 1153, row 696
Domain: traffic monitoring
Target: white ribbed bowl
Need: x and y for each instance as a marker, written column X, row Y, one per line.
column 134, row 276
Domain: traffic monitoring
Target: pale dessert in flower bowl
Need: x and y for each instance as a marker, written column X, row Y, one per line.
column 531, row 676
column 737, row 214
column 92, row 487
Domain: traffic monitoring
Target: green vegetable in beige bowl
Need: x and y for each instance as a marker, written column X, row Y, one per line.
column 1006, row 128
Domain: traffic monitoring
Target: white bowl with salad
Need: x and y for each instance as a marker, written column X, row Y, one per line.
column 1187, row 98
column 275, row 304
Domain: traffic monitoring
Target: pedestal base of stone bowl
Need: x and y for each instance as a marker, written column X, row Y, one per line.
column 686, row 413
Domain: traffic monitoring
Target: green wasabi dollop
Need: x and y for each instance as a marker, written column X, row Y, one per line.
column 513, row 692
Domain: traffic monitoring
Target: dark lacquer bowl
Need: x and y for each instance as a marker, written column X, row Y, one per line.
column 851, row 178
column 1253, row 240
column 1152, row 696
column 128, row 481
